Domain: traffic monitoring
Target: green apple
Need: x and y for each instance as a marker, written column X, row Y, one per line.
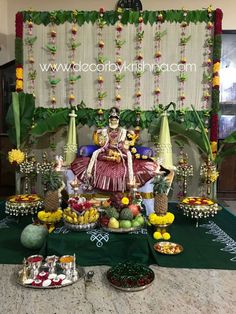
column 135, row 223
column 139, row 219
column 113, row 223
column 125, row 224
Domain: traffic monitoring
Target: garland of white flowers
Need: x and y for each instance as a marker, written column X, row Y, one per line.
column 182, row 73
column 73, row 45
column 29, row 42
column 157, row 58
column 118, row 75
column 207, row 64
column 52, row 49
column 138, row 60
column 101, row 59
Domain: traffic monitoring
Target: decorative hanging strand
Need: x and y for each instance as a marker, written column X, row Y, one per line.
column 29, row 42
column 101, row 94
column 52, row 49
column 118, row 75
column 138, row 60
column 184, row 39
column 73, row 45
column 157, row 72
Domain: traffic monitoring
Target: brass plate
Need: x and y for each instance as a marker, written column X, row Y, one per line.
column 159, row 247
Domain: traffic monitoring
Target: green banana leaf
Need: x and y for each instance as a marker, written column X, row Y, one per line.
column 177, row 129
column 50, row 124
column 20, row 117
column 231, row 138
column 225, row 152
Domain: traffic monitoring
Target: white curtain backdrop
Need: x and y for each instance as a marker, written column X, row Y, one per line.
column 86, row 87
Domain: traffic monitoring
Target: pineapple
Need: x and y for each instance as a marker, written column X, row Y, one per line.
column 160, row 189
column 53, row 183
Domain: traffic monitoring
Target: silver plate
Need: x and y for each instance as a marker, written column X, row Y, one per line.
column 84, row 227
column 131, row 289
column 121, row 230
column 81, row 274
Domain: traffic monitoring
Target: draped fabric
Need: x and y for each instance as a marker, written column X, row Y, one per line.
column 86, row 87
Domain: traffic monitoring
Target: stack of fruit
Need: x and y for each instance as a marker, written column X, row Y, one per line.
column 122, row 213
column 80, row 214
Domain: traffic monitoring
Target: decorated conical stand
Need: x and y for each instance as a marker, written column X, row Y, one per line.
column 161, row 219
column 71, row 145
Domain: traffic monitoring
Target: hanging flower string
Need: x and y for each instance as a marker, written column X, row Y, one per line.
column 157, row 72
column 118, row 75
column 184, row 39
column 29, row 42
column 207, row 76
column 19, row 52
column 101, row 94
column 73, row 45
column 139, row 60
column 216, row 78
column 52, row 49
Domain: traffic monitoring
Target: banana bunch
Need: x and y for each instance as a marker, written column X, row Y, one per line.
column 90, row 216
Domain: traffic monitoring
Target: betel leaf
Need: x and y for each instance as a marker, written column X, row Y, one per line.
column 80, row 18
column 26, row 113
column 152, row 17
column 55, row 121
column 125, row 17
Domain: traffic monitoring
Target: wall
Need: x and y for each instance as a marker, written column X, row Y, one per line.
column 9, row 8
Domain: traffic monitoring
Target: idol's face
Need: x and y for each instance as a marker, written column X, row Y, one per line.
column 114, row 123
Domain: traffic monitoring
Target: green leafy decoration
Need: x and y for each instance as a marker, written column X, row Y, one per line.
column 119, row 77
column 51, row 48
column 73, row 79
column 217, row 47
column 32, row 75
column 25, row 118
column 54, row 81
column 184, row 40
column 159, row 34
column 140, row 36
column 51, row 123
column 119, row 43
column 19, row 50
column 30, row 40
column 111, row 17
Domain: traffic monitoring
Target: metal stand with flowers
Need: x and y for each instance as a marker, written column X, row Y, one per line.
column 209, row 175
column 161, row 219
column 184, row 171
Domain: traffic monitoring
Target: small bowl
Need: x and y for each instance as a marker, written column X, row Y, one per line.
column 35, row 260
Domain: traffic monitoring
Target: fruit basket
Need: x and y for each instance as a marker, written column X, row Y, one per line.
column 130, row 277
column 199, row 207
column 23, row 204
column 49, row 273
column 80, row 215
column 122, row 214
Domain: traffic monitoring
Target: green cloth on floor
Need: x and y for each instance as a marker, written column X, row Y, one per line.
column 200, row 251
column 100, row 248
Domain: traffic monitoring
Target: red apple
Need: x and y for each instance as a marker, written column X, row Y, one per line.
column 134, row 209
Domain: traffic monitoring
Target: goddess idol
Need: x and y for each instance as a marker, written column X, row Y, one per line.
column 112, row 167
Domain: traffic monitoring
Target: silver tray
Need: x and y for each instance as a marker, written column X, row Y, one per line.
column 83, row 227
column 81, row 274
column 131, row 289
column 121, row 230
